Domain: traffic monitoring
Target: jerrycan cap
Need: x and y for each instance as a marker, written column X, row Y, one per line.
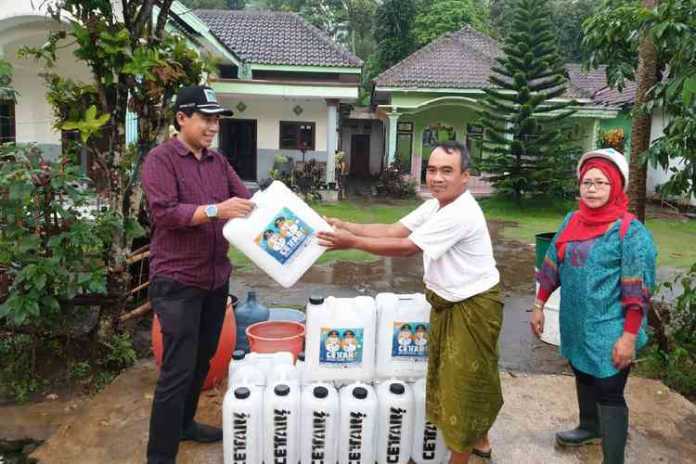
column 316, row 299
column 360, row 393
column 281, row 390
column 321, row 392
column 238, row 355
column 242, row 393
column 397, row 388
column 301, row 356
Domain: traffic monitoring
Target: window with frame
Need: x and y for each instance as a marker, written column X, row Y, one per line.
column 7, row 121
column 295, row 135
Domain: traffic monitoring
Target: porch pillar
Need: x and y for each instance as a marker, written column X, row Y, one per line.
column 391, row 139
column 331, row 139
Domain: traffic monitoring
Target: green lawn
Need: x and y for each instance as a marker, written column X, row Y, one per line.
column 674, row 237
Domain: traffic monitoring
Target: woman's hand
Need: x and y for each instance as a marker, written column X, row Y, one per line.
column 536, row 321
column 624, row 351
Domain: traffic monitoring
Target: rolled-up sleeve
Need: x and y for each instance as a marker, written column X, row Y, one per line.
column 159, row 183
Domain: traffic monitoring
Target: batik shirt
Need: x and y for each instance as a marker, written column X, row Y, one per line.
column 599, row 278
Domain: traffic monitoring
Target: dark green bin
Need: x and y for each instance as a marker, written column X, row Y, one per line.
column 542, row 245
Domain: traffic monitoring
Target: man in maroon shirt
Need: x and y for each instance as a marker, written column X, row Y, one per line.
column 191, row 191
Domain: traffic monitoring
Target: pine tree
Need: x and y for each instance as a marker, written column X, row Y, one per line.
column 524, row 146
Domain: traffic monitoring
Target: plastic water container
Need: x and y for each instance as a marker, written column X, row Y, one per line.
column 358, row 423
column 428, row 444
column 267, row 362
column 279, row 235
column 319, row 424
column 281, row 416
column 403, row 328
column 235, row 363
column 300, row 366
column 243, row 372
column 242, row 425
column 285, row 373
column 395, row 418
column 248, row 313
column 340, row 339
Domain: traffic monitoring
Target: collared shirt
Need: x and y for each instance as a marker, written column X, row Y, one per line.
column 176, row 183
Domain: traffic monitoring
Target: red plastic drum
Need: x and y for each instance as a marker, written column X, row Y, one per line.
column 220, row 362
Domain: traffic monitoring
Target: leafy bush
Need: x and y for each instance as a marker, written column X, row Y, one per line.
column 52, row 243
column 393, row 184
column 674, row 360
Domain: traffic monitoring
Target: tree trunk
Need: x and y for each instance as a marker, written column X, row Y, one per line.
column 646, row 78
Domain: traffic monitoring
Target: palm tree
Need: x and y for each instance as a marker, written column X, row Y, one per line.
column 646, row 78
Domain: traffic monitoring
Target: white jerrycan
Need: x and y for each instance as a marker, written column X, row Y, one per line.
column 319, row 424
column 340, row 340
column 267, row 362
column 403, row 326
column 395, row 418
column 356, row 439
column 279, row 235
column 236, row 362
column 428, row 445
column 242, row 425
column 281, row 421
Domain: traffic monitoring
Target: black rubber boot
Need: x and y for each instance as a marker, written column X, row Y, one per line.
column 588, row 431
column 201, row 433
column 613, row 422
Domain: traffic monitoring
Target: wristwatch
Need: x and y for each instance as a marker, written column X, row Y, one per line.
column 211, row 211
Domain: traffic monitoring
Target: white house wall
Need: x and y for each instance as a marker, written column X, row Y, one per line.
column 33, row 114
column 657, row 175
column 268, row 112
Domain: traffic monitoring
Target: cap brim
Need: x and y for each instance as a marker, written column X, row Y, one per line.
column 220, row 110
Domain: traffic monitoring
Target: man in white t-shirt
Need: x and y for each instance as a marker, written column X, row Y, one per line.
column 461, row 280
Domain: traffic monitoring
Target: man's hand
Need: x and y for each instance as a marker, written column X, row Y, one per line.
column 235, row 208
column 340, row 239
column 624, row 351
column 335, row 223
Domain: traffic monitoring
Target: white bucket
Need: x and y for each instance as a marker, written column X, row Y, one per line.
column 281, row 419
column 340, row 340
column 356, row 439
column 320, row 409
column 242, row 425
column 402, row 336
column 395, row 418
column 428, row 444
column 552, row 327
column 279, row 234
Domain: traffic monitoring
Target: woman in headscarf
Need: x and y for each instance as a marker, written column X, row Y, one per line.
column 603, row 259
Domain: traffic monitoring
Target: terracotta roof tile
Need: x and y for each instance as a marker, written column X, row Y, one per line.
column 463, row 60
column 279, row 38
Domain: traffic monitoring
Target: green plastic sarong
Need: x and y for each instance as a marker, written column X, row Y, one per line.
column 463, row 385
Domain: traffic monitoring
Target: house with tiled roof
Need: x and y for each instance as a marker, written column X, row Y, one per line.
column 283, row 78
column 434, row 93
column 285, row 85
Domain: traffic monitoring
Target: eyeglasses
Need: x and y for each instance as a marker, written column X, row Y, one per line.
column 598, row 184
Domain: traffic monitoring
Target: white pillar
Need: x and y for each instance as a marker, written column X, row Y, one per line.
column 331, row 139
column 391, row 140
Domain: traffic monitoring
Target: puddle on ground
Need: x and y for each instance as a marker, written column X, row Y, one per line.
column 520, row 351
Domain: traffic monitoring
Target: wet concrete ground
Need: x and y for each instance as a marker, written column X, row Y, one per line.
column 112, row 427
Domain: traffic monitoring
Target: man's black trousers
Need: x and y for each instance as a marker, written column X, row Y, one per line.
column 191, row 319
